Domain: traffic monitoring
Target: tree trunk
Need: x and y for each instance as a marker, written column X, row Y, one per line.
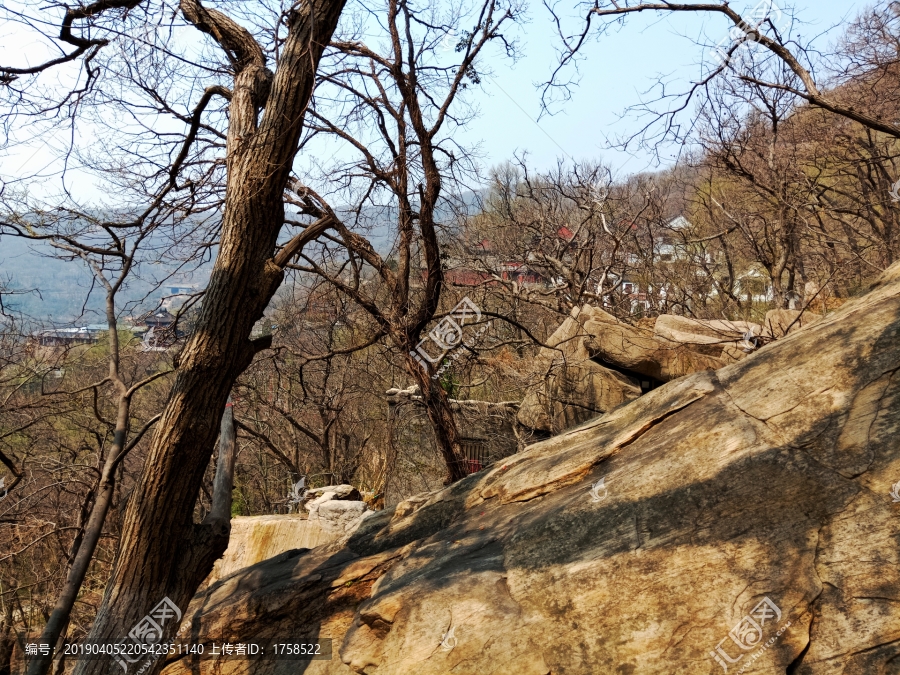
column 59, row 618
column 220, row 509
column 437, row 407
column 162, row 552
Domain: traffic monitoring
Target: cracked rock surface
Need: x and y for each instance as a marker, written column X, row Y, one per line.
column 574, row 388
column 725, row 493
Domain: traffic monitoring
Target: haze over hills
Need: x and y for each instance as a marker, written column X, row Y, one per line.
column 65, row 291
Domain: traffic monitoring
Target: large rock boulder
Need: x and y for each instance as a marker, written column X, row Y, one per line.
column 734, row 521
column 343, row 492
column 781, row 322
column 333, row 511
column 728, row 340
column 642, row 353
column 573, row 388
column 337, row 509
column 257, row 538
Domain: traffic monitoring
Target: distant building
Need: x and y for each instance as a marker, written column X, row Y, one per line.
column 461, row 276
column 755, row 285
column 521, row 273
column 460, row 273
column 63, row 337
column 157, row 331
column 158, row 320
column 175, row 296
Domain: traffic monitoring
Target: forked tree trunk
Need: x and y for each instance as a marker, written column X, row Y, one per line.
column 162, row 552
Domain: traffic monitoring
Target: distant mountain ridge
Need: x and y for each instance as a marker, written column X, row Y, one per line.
column 65, row 292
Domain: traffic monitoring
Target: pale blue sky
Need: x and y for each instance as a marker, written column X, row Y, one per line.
column 618, row 69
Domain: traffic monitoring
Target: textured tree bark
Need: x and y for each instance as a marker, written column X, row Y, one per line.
column 162, row 552
column 437, row 407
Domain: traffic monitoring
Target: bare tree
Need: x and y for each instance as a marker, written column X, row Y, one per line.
column 766, row 29
column 110, row 255
column 317, row 401
column 392, row 109
column 162, row 552
column 827, row 204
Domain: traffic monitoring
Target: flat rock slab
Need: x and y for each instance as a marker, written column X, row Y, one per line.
column 737, row 519
column 257, row 538
column 337, row 492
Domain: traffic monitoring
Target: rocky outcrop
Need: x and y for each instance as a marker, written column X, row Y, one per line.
column 596, row 362
column 573, row 388
column 341, row 492
column 781, row 322
column 333, row 511
column 337, row 509
column 641, row 353
column 727, row 340
column 732, row 521
column 257, row 538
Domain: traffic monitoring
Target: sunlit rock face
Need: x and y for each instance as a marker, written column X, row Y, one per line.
column 745, row 519
column 326, row 514
column 593, row 362
column 573, row 388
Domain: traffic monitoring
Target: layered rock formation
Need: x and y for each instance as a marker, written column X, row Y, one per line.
column 333, row 511
column 781, row 322
column 735, row 521
column 727, row 340
column 257, row 538
column 574, row 388
column 337, row 509
column 594, row 362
